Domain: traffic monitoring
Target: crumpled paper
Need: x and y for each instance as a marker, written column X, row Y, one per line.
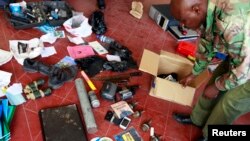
column 34, row 48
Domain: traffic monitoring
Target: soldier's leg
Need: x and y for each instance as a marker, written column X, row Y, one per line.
column 233, row 104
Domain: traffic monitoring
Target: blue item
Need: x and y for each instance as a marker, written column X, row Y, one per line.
column 221, row 56
column 54, row 15
column 15, row 8
column 46, row 28
column 5, row 108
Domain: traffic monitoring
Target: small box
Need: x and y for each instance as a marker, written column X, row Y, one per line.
column 186, row 48
column 160, row 13
column 166, row 63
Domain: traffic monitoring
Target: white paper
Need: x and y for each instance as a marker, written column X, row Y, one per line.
column 5, row 56
column 35, row 47
column 48, row 38
column 48, row 51
column 113, row 58
column 15, row 89
column 76, row 40
column 4, row 80
column 14, row 94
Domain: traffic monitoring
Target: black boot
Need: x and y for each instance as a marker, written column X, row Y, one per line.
column 58, row 76
column 101, row 4
column 32, row 66
column 184, row 119
column 96, row 20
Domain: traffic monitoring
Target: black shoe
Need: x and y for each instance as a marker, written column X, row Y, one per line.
column 202, row 139
column 32, row 66
column 184, row 119
column 96, row 20
column 58, row 76
column 101, row 4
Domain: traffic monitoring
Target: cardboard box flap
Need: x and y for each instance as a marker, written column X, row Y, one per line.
column 149, row 62
column 175, row 92
column 175, row 57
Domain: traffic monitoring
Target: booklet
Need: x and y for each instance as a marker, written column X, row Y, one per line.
column 121, row 109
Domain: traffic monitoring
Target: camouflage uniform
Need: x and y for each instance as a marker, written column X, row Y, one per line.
column 227, row 31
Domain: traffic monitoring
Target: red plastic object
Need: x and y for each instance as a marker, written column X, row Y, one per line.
column 186, row 48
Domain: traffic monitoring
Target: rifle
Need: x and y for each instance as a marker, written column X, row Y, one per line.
column 119, row 77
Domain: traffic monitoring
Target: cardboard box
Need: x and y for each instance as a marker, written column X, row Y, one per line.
column 166, row 63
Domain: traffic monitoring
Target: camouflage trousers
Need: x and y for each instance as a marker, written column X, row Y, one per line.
column 225, row 108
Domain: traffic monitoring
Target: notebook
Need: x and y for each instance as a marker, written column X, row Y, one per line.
column 62, row 124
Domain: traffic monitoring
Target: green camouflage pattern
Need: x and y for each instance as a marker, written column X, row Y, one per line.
column 227, row 31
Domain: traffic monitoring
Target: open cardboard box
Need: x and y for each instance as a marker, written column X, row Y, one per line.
column 166, row 63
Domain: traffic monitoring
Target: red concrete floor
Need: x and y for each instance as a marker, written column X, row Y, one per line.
column 131, row 32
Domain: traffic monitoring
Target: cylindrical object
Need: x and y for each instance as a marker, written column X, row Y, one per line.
column 154, row 138
column 33, row 86
column 105, row 39
column 93, row 99
column 132, row 104
column 39, row 94
column 88, row 115
column 137, row 114
column 146, row 126
column 89, row 82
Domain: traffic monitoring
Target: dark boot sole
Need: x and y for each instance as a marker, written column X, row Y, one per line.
column 33, row 71
column 59, row 85
column 30, row 70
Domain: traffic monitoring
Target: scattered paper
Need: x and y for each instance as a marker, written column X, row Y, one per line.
column 48, row 51
column 22, row 49
column 14, row 94
column 5, row 78
column 4, row 81
column 5, row 56
column 113, row 58
column 48, row 38
column 76, row 40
